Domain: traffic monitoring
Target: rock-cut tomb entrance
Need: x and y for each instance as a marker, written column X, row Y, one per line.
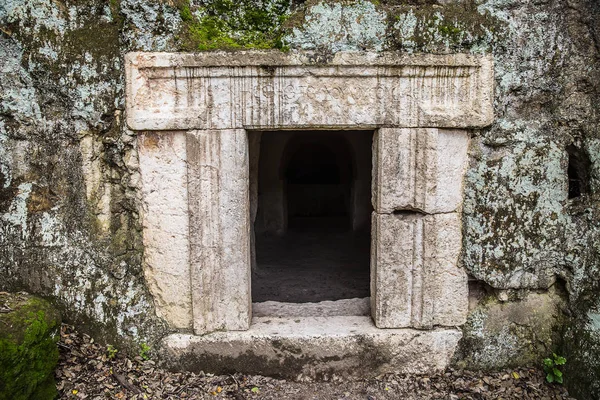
column 298, row 206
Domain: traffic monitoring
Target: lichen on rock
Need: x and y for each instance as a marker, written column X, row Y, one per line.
column 520, row 329
column 340, row 26
column 454, row 27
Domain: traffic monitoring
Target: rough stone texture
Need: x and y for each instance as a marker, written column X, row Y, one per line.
column 69, row 184
column 165, row 219
column 69, row 180
column 328, row 308
column 273, row 90
column 219, row 206
column 419, row 169
column 314, row 347
column 415, row 280
column 520, row 329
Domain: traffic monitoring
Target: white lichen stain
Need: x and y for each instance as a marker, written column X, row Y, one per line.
column 79, row 277
column 145, row 17
column 594, row 321
column 593, row 151
column 50, row 230
column 48, row 51
column 406, row 29
column 19, row 98
column 99, row 302
column 17, row 212
column 531, row 204
column 519, row 182
column 5, row 158
column 43, row 13
column 498, row 347
column 336, row 27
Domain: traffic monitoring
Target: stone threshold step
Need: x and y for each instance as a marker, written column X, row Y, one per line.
column 327, row 308
column 320, row 348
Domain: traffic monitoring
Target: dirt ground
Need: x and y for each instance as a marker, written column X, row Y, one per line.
column 311, row 266
column 87, row 370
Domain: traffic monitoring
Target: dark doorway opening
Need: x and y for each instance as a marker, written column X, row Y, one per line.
column 312, row 221
column 318, row 188
column 578, row 171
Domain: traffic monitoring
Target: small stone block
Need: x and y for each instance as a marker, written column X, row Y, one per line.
column 416, row 280
column 419, row 169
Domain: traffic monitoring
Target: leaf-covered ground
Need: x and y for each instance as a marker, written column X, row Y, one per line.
column 90, row 371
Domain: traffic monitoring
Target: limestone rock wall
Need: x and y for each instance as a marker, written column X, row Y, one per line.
column 70, row 187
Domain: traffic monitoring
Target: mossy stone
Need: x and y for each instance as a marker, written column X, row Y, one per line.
column 29, row 331
column 231, row 25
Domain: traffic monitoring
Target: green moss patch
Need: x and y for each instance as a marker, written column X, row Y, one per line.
column 229, row 24
column 29, row 331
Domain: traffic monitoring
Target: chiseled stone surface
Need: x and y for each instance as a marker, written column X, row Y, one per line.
column 419, row 169
column 327, row 308
column 163, row 170
column 313, row 347
column 270, row 89
column 415, row 279
column 219, row 212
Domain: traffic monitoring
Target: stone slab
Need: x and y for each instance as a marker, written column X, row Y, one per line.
column 419, row 169
column 313, row 348
column 163, row 170
column 274, row 90
column 415, row 277
column 327, row 308
column 219, row 212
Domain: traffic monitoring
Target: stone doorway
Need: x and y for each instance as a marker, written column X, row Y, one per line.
column 196, row 115
column 312, row 224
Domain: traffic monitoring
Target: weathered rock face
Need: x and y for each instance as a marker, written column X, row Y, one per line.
column 510, row 328
column 68, row 181
column 70, row 186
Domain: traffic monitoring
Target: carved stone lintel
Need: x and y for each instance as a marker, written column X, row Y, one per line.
column 257, row 90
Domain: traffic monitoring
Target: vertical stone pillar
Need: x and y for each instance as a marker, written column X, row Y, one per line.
column 163, row 170
column 219, row 209
column 416, row 280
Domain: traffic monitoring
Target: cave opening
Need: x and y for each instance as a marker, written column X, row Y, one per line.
column 578, row 171
column 311, row 209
